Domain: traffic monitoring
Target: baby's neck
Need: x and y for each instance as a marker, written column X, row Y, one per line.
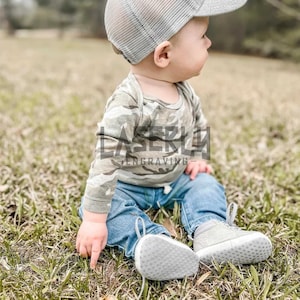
column 157, row 88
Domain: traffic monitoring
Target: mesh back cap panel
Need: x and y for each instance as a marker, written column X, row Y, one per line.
column 136, row 27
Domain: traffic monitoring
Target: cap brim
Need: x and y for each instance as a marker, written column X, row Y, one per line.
column 216, row 7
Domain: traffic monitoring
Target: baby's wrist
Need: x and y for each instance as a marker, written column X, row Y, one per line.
column 94, row 217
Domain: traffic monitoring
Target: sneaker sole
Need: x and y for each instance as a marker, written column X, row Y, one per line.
column 248, row 249
column 158, row 257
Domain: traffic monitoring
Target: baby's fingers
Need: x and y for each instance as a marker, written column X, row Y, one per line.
column 188, row 169
column 202, row 167
column 209, row 169
column 84, row 251
column 96, row 250
column 194, row 172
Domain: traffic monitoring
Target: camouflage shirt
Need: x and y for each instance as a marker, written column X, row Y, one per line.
column 144, row 141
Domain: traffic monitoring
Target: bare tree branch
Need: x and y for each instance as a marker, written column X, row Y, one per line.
column 285, row 8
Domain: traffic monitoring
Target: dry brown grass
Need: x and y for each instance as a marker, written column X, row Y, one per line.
column 53, row 93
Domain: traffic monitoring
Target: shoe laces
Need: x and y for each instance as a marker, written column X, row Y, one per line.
column 138, row 232
column 231, row 213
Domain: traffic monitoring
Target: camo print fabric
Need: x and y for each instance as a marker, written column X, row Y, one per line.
column 144, row 141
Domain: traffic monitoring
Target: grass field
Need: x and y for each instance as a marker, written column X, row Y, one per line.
column 52, row 94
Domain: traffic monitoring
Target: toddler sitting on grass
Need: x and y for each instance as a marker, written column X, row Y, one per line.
column 151, row 150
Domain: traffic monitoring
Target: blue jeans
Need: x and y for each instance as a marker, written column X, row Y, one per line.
column 200, row 200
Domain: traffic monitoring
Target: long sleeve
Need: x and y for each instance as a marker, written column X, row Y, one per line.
column 114, row 132
column 201, row 133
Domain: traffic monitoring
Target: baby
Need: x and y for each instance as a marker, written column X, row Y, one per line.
column 152, row 148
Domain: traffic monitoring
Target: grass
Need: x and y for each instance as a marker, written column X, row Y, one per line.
column 52, row 94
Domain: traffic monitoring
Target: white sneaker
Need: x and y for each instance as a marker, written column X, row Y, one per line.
column 159, row 257
column 223, row 242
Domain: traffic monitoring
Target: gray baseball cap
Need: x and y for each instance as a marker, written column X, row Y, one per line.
column 137, row 27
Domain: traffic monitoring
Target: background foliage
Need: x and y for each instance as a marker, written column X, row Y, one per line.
column 269, row 28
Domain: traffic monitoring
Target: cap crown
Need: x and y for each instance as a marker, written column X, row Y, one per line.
column 136, row 27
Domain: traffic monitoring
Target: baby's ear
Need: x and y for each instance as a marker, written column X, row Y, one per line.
column 162, row 54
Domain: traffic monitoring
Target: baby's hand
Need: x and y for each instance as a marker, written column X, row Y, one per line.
column 92, row 238
column 197, row 166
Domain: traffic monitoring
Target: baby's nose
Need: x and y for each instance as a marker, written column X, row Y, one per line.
column 209, row 42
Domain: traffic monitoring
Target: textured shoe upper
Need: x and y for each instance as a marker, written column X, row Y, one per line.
column 217, row 232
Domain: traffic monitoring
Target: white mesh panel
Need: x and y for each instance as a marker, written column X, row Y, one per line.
column 136, row 27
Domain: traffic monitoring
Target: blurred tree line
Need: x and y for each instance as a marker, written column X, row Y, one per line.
column 269, row 28
column 264, row 27
column 85, row 15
